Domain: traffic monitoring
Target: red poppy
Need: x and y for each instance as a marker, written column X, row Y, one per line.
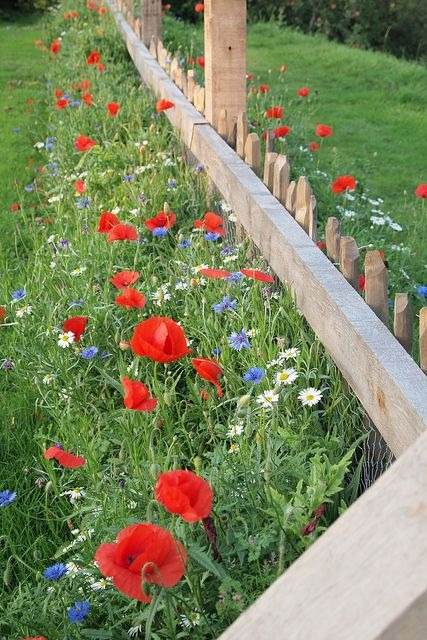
column 15, row 206
column 164, row 219
column 303, row 92
column 102, row 11
column 211, row 222
column 142, row 553
column 200, row 61
column 83, row 143
column 361, row 283
column 215, row 274
column 77, row 325
column 199, row 7
column 101, row 67
column 58, row 93
column 314, row 146
column 122, row 232
column 55, row 47
column 343, row 183
column 80, row 186
column 137, row 396
column 160, row 339
column 274, row 112
column 124, row 279
column 3, row 313
column 254, row 274
column 94, row 57
column 113, row 109
column 421, row 191
column 184, row 493
column 323, row 131
column 321, row 245
column 209, row 370
column 107, row 221
column 61, row 103
column 84, row 85
column 130, row 299
column 163, row 105
column 65, row 459
column 263, row 88
column 281, row 132
column 87, row 99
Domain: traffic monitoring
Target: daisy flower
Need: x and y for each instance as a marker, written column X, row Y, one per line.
column 65, row 339
column 268, row 399
column 289, row 354
column 309, row 397
column 286, row 376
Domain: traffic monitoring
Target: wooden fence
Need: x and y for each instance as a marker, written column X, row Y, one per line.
column 366, row 577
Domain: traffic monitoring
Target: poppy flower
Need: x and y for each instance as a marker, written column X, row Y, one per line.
column 80, row 186
column 162, row 219
column 87, row 99
column 314, row 146
column 184, row 493
column 3, row 313
column 323, row 131
column 142, row 553
column 254, row 274
column 83, row 143
column 303, row 92
column 421, row 191
column 281, row 132
column 61, row 103
column 124, row 279
column 274, row 112
column 113, row 109
column 321, row 244
column 343, row 183
column 122, row 232
column 84, row 85
column 208, row 370
column 200, row 61
column 107, row 221
column 211, row 222
column 15, row 206
column 215, row 274
column 163, row 105
column 199, row 7
column 361, row 282
column 130, row 299
column 58, row 93
column 55, row 47
column 77, row 325
column 101, row 67
column 160, row 339
column 263, row 88
column 94, row 57
column 64, row 458
column 137, row 396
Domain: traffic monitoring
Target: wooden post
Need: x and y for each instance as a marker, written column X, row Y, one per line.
column 312, row 218
column 376, row 285
column 333, row 239
column 241, row 134
column 349, row 260
column 403, row 320
column 269, row 162
column 290, row 197
column 253, row 152
column 190, row 85
column 302, row 202
column 423, row 339
column 225, row 59
column 151, row 16
column 281, row 178
column 199, row 98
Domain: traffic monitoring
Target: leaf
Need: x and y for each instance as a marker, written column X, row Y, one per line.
column 204, row 560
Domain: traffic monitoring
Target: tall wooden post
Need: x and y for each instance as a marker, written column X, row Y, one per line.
column 225, row 60
column 151, row 15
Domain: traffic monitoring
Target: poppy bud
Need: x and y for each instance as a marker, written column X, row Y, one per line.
column 155, row 470
column 48, row 486
column 197, row 461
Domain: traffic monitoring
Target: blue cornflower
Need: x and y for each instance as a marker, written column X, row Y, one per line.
column 142, row 197
column 236, row 276
column 228, row 251
column 49, row 143
column 216, row 352
column 239, row 341
column 79, row 611
column 89, row 353
column 128, row 178
column 171, row 183
column 66, row 96
column 83, row 202
column 53, row 168
column 29, row 187
column 64, row 243
column 184, row 244
column 19, row 294
column 160, row 232
column 254, row 374
column 422, row 290
column 7, row 497
column 55, row 571
column 199, row 168
column 74, row 103
column 211, row 236
column 7, row 364
column 226, row 304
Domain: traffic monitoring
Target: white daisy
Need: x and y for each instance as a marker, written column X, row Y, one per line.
column 65, row 339
column 74, row 494
column 286, row 376
column 24, row 311
column 289, row 354
column 49, row 378
column 268, row 399
column 235, row 430
column 309, row 397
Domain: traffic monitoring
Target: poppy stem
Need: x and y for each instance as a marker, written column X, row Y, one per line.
column 209, row 527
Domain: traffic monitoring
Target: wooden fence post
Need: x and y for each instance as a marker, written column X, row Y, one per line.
column 241, row 134
column 225, row 59
column 151, row 16
column 281, row 178
column 253, row 152
column 403, row 320
column 376, row 285
column 269, row 162
column 423, row 339
column 349, row 260
column 333, row 239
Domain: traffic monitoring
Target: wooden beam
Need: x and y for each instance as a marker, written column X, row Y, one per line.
column 225, row 59
column 388, row 383
column 403, row 320
column 365, row 578
column 151, row 16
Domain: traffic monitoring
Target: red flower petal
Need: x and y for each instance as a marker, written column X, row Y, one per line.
column 184, row 493
column 107, row 221
column 208, row 370
column 163, row 105
column 257, row 275
column 131, row 299
column 160, row 339
column 215, row 274
column 124, row 279
column 122, row 232
column 77, row 325
column 137, row 396
column 65, row 459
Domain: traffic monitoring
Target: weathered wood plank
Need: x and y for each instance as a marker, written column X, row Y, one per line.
column 402, row 325
column 333, row 238
column 241, row 135
column 253, row 152
column 302, row 203
column 281, row 178
column 190, row 85
column 151, row 15
column 376, row 285
column 365, row 578
column 349, row 260
column 290, row 197
column 269, row 162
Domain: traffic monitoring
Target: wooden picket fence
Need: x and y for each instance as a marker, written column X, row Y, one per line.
column 366, row 577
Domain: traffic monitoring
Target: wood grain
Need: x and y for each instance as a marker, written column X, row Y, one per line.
column 403, row 320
